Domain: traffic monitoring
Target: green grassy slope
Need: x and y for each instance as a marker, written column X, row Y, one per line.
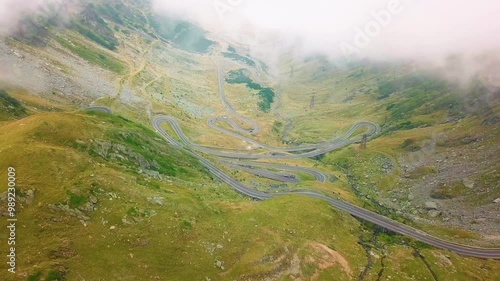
column 80, row 210
column 104, row 198
column 89, row 207
column 10, row 108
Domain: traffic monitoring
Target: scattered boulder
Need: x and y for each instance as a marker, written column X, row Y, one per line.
column 468, row 183
column 90, row 206
column 158, row 200
column 71, row 212
column 101, row 148
column 496, row 201
column 27, row 197
column 30, row 195
column 430, row 205
column 119, row 152
column 434, row 213
column 219, row 264
column 153, row 174
column 469, row 140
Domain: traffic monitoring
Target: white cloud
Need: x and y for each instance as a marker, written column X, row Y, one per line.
column 11, row 11
column 423, row 28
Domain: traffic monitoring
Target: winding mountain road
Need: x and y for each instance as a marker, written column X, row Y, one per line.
column 263, row 151
column 342, row 205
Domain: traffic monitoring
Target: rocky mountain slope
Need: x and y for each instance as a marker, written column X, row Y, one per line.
column 103, row 197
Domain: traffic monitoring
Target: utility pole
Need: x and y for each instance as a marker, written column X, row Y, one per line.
column 311, row 104
column 363, row 141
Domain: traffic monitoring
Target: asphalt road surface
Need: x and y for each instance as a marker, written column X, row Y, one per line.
column 99, row 108
column 342, row 205
column 240, row 160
